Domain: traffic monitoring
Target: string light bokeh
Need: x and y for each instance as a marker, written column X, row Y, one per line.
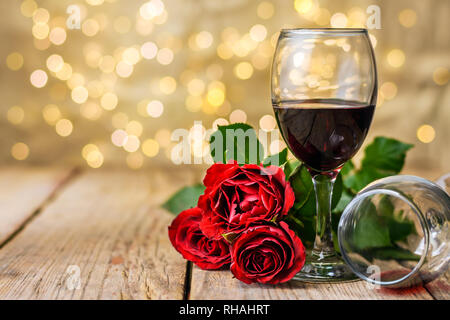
column 112, row 92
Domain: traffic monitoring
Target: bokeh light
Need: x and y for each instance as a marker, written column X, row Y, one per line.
column 396, row 58
column 58, row 36
column 109, row 101
column 92, row 155
column 164, row 56
column 28, row 8
column 407, row 18
column 204, row 39
column 258, row 32
column 124, row 69
column 388, row 90
column 133, row 73
column 64, row 127
column 265, row 10
column 39, row 78
column 155, row 108
column 51, row 114
column 80, row 94
column 132, row 143
column 14, row 61
column 238, row 116
column 167, row 85
column 338, row 20
column 91, row 111
column 20, row 151
column 55, row 62
column 15, row 115
column 149, row 50
column 243, row 70
column 441, row 76
column 150, row 148
column 267, row 122
column 426, row 133
column 119, row 137
column 303, row 6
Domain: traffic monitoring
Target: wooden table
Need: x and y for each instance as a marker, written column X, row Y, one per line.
column 101, row 234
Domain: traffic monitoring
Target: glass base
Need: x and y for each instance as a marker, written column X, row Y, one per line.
column 325, row 269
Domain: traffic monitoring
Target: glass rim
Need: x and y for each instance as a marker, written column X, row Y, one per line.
column 417, row 212
column 331, row 31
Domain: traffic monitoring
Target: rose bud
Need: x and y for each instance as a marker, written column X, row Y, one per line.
column 188, row 239
column 238, row 196
column 267, row 254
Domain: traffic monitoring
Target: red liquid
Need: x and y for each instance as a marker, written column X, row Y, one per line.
column 324, row 134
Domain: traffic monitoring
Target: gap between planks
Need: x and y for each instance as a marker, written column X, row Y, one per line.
column 110, row 226
column 40, row 186
column 189, row 282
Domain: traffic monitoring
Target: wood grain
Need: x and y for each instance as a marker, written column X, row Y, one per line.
column 440, row 288
column 109, row 226
column 221, row 285
column 23, row 190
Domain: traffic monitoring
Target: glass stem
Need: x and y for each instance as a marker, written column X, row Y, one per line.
column 323, row 244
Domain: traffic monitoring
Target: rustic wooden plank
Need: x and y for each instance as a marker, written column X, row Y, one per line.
column 440, row 288
column 108, row 225
column 221, row 285
column 23, row 190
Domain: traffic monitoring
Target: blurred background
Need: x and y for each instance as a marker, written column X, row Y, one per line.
column 111, row 92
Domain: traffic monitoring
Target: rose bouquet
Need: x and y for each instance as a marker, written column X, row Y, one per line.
column 251, row 214
column 237, row 221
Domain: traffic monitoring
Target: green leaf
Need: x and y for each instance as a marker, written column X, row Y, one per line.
column 302, row 185
column 347, row 168
column 385, row 207
column 386, row 154
column 278, row 159
column 362, row 178
column 346, row 197
column 371, row 231
column 290, row 167
column 399, row 228
column 337, row 191
column 382, row 158
column 292, row 218
column 389, row 253
column 304, row 227
column 184, row 198
column 237, row 142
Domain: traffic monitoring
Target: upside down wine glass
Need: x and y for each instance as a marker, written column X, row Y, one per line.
column 324, row 90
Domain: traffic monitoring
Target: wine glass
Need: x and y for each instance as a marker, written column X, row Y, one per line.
column 414, row 213
column 324, row 91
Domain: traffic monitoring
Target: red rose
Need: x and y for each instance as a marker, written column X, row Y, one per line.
column 267, row 254
column 237, row 196
column 188, row 239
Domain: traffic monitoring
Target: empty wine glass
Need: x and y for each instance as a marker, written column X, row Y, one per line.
column 396, row 232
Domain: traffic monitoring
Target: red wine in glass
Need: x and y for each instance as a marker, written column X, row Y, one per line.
column 324, row 133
